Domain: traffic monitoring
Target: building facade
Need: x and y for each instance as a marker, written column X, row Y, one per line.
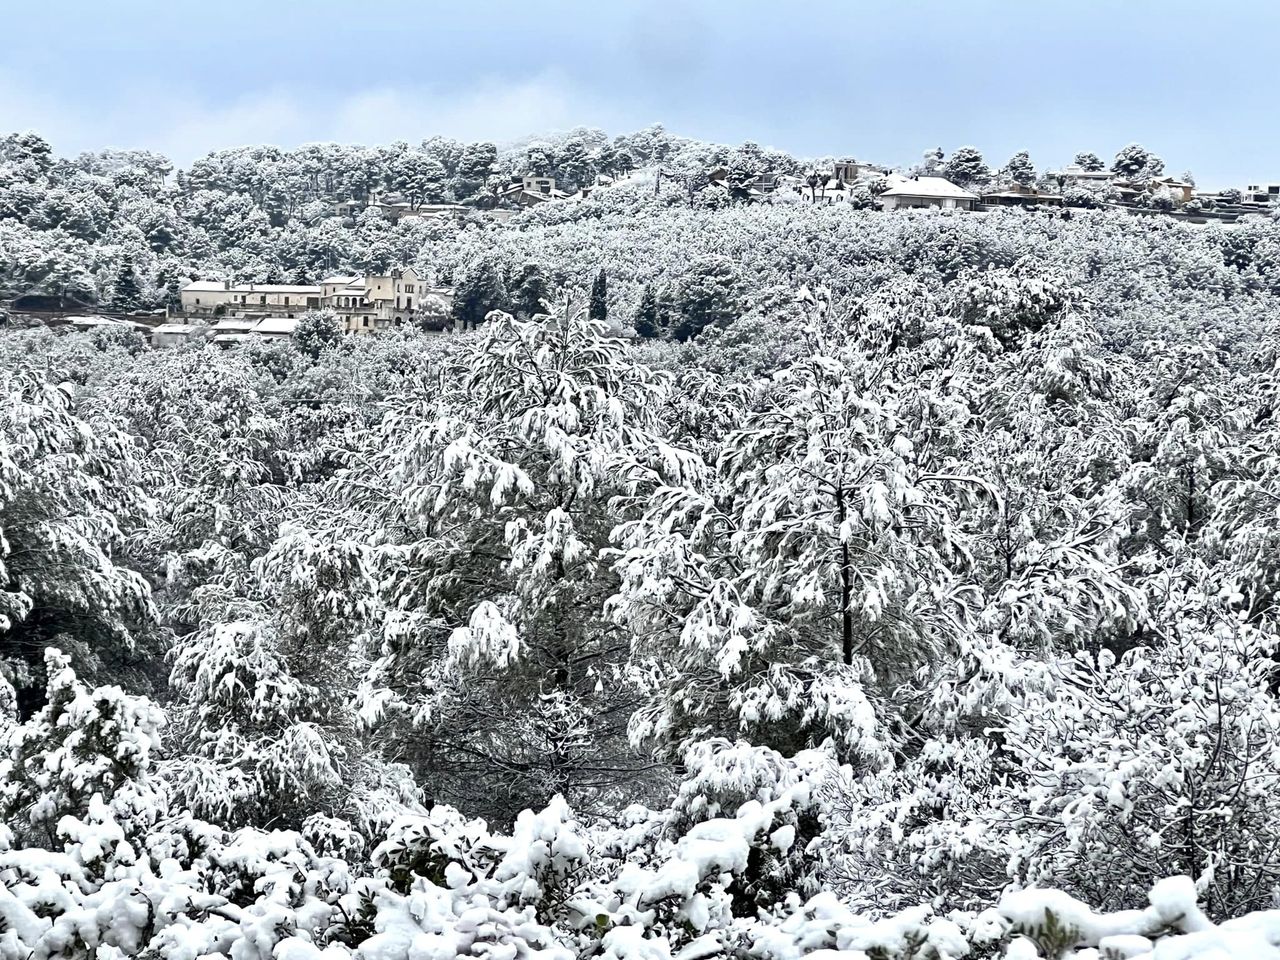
column 217, row 297
column 363, row 305
column 921, row 192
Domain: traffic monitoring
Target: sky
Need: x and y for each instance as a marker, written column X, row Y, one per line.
column 881, row 81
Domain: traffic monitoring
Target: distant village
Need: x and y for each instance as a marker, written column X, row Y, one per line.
column 228, row 314
column 1074, row 185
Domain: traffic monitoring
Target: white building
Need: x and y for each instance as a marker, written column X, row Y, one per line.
column 530, row 190
column 919, row 192
column 1262, row 193
column 204, row 297
column 275, row 328
column 1078, row 174
column 363, row 305
column 176, row 334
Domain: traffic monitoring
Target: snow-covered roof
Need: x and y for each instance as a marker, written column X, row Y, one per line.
column 339, row 281
column 199, row 286
column 283, row 325
column 1024, row 194
column 926, row 187
column 277, row 288
column 1080, row 173
column 95, row 321
column 234, row 323
column 175, row 328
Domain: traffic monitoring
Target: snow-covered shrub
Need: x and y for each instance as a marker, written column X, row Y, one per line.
column 83, row 744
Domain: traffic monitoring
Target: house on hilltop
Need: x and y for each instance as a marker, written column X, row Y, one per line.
column 1019, row 195
column 529, row 191
column 922, row 192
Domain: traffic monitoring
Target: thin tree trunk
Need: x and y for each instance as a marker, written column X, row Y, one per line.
column 846, row 588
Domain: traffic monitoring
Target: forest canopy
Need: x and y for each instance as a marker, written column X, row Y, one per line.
column 756, row 580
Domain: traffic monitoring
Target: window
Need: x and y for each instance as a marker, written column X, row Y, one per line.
column 408, row 288
column 365, row 323
column 263, row 300
column 286, row 302
column 197, row 301
column 408, row 303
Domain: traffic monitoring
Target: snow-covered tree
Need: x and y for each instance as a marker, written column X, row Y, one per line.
column 966, row 167
column 1135, row 162
column 495, row 642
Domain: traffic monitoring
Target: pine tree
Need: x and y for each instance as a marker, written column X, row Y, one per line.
column 126, row 294
column 479, row 292
column 1136, row 162
column 82, row 742
column 1020, row 169
column 530, row 292
column 709, row 295
column 966, row 167
column 599, row 305
column 1089, row 162
column 513, row 491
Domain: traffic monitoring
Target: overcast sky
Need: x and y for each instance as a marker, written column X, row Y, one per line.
column 1195, row 82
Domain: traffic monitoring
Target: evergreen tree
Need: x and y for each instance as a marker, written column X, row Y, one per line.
column 1020, row 169
column 478, row 293
column 599, row 304
column 1090, row 162
column 932, row 161
column 647, row 316
column 966, row 167
column 514, row 492
column 419, row 177
column 1136, row 162
column 529, row 292
column 710, row 294
column 575, row 166
column 475, row 168
column 82, row 742
column 317, row 331
column 126, row 294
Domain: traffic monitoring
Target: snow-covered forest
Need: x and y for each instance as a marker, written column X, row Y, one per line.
column 756, row 581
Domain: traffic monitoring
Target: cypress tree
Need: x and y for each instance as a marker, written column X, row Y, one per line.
column 598, row 308
column 646, row 319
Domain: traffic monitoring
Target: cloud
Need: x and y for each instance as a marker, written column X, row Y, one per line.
column 184, row 128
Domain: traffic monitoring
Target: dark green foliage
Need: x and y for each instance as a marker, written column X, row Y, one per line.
column 709, row 294
column 598, row 308
column 126, row 295
column 479, row 292
column 529, row 291
column 648, row 317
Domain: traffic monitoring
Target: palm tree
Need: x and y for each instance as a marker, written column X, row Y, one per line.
column 815, row 180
